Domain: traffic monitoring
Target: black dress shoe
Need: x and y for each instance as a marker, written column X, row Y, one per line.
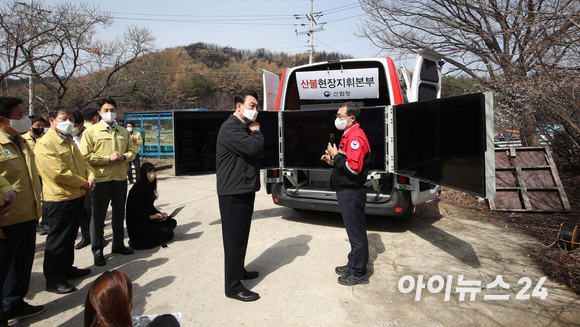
column 100, row 260
column 60, row 288
column 43, row 229
column 123, row 251
column 251, row 274
column 23, row 311
column 84, row 242
column 75, row 272
column 244, row 295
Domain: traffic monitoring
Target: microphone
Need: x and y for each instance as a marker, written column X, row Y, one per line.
column 331, row 138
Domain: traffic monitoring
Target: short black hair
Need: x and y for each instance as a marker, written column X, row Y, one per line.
column 6, row 105
column 241, row 96
column 101, row 102
column 90, row 113
column 352, row 109
column 78, row 117
column 130, row 122
column 35, row 118
column 54, row 111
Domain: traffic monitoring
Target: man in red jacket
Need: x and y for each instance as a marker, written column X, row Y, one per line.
column 350, row 163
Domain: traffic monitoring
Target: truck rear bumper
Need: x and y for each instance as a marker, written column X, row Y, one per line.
column 399, row 199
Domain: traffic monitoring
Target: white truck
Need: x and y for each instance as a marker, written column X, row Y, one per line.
column 414, row 143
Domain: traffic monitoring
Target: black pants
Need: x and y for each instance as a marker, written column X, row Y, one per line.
column 137, row 164
column 114, row 192
column 352, row 207
column 16, row 264
column 59, row 253
column 236, row 217
column 85, row 218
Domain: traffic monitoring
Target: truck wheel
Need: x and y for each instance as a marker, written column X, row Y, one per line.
column 405, row 217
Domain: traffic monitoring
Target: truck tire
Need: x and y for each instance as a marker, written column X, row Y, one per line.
column 405, row 217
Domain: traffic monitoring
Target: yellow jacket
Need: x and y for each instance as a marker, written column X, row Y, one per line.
column 30, row 139
column 136, row 146
column 62, row 167
column 19, row 168
column 5, row 186
column 98, row 144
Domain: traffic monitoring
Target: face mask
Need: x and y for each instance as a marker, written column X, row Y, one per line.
column 109, row 117
column 340, row 124
column 37, row 131
column 75, row 130
column 130, row 129
column 250, row 114
column 22, row 125
column 46, row 130
column 151, row 176
column 65, row 127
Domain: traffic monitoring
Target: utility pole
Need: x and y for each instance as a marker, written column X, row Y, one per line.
column 30, row 67
column 312, row 18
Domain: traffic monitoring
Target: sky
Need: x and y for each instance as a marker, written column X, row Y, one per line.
column 242, row 24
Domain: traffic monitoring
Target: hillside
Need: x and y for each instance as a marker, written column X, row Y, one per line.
column 199, row 75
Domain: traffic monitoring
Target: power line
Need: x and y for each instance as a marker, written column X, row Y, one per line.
column 345, row 18
column 338, row 27
column 201, row 21
column 203, row 16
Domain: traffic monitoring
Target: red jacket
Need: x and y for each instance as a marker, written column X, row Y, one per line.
column 351, row 163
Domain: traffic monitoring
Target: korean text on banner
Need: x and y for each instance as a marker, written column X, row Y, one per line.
column 339, row 84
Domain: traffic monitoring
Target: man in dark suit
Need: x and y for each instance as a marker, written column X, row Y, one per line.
column 239, row 145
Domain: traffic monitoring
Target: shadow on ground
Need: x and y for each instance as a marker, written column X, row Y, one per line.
column 420, row 224
column 277, row 256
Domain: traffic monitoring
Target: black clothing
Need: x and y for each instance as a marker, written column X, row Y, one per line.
column 236, row 218
column 85, row 218
column 352, row 206
column 137, row 163
column 341, row 179
column 145, row 233
column 63, row 220
column 16, row 264
column 237, row 153
column 114, row 192
column 238, row 179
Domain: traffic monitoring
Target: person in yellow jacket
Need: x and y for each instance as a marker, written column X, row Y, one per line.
column 108, row 147
column 91, row 116
column 19, row 225
column 137, row 140
column 36, row 131
column 66, row 176
column 7, row 198
column 7, row 201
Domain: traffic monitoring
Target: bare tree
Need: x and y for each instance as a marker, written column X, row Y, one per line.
column 502, row 44
column 68, row 48
column 24, row 31
column 57, row 45
column 110, row 71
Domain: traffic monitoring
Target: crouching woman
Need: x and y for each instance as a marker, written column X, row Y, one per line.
column 147, row 226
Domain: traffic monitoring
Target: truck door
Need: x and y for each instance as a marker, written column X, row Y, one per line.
column 195, row 136
column 426, row 83
column 447, row 142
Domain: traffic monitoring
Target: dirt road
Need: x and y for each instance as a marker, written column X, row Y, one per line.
column 296, row 252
